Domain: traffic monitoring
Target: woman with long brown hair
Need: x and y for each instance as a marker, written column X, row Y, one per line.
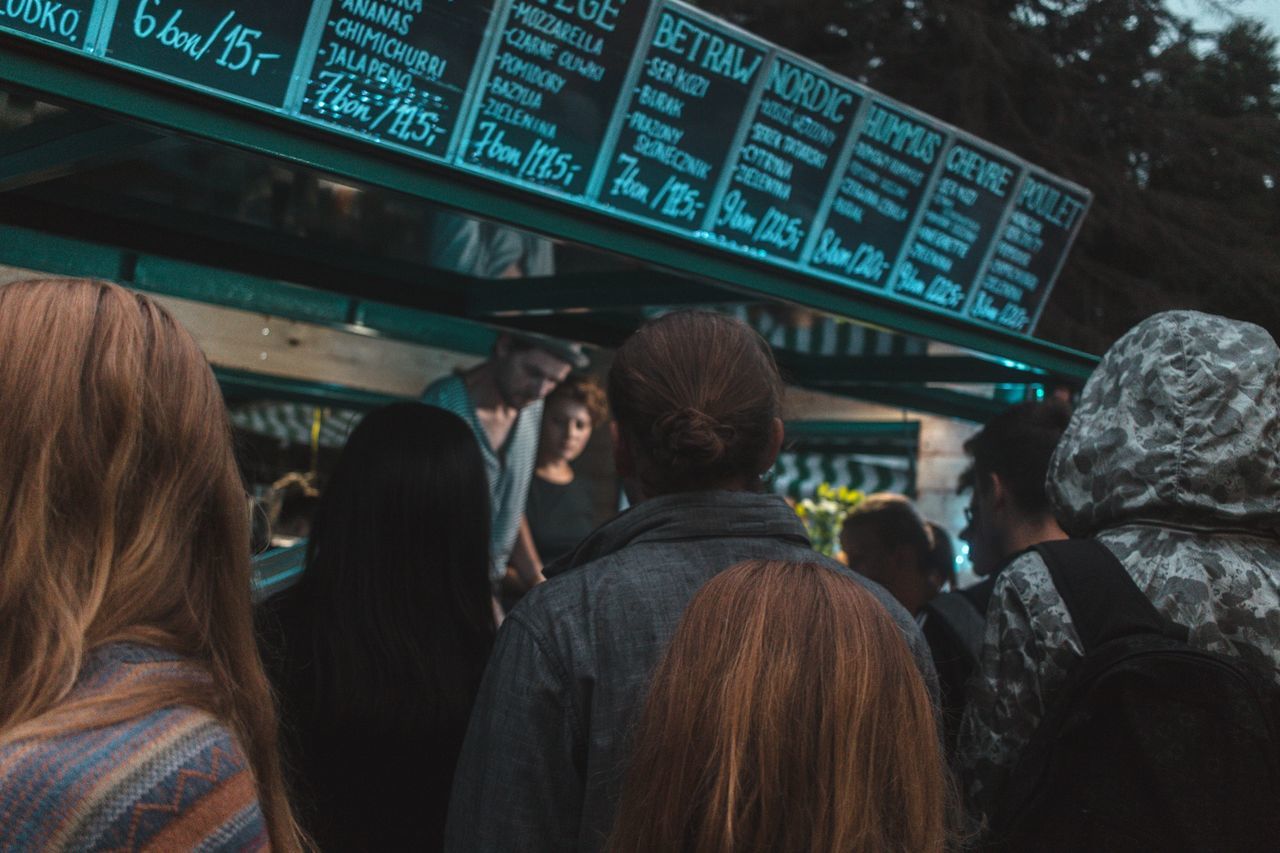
column 787, row 716
column 133, row 707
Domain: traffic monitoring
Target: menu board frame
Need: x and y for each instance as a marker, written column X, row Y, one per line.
column 1072, row 232
column 302, row 80
column 229, row 46
column 571, row 46
column 836, row 151
column 59, row 23
column 932, row 238
column 876, row 263
column 105, row 12
column 708, row 27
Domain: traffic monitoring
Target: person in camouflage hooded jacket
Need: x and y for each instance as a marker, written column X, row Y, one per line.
column 1172, row 461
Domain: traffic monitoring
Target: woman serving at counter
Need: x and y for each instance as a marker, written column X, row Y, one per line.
column 560, row 508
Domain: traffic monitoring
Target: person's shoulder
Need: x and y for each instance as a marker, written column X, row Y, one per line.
column 599, row 591
column 447, row 392
column 175, row 778
column 1027, row 575
column 560, row 598
column 1031, row 612
column 528, row 429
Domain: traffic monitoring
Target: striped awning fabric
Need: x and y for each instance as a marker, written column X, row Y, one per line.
column 291, row 423
column 798, row 474
column 811, row 333
column 818, row 334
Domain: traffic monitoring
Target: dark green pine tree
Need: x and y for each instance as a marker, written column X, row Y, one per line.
column 1176, row 133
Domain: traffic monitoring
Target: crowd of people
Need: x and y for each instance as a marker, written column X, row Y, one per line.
column 688, row 676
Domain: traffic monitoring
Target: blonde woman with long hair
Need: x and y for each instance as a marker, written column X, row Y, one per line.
column 134, row 711
column 787, row 716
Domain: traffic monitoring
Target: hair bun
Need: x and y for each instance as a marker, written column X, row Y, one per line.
column 692, row 435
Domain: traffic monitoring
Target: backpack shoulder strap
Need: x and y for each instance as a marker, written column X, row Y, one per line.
column 1103, row 600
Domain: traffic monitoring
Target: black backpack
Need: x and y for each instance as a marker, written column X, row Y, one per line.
column 1151, row 744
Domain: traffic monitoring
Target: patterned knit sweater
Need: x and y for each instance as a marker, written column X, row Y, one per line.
column 175, row 779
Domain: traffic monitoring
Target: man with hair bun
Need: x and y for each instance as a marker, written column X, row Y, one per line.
column 697, row 401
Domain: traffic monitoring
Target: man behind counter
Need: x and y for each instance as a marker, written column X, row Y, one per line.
column 501, row 400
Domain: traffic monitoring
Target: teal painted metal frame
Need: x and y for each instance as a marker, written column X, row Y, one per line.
column 922, row 398
column 873, row 438
column 906, row 432
column 64, row 76
column 58, row 255
column 62, row 144
column 899, row 369
column 277, row 569
column 242, row 384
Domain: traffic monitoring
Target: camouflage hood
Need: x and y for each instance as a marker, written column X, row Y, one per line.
column 1180, row 424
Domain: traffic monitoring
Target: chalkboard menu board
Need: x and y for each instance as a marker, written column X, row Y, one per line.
column 65, row 22
column 549, row 92
column 781, row 172
column 680, row 119
column 649, row 110
column 948, row 246
column 241, row 47
column 397, row 71
column 1028, row 253
column 893, row 158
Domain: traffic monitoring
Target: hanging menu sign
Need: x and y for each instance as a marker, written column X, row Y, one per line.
column 242, row 48
column 648, row 110
column 1031, row 247
column 550, row 88
column 781, row 172
column 396, row 70
column 894, row 156
column 680, row 120
column 65, row 22
column 947, row 248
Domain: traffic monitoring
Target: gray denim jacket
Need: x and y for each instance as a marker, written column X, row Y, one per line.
column 545, row 753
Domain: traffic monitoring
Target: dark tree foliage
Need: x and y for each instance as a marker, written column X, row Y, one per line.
column 1177, row 133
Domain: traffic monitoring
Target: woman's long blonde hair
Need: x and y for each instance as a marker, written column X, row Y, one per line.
column 122, row 518
column 787, row 716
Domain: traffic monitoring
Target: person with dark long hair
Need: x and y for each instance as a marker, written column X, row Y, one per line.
column 134, row 710
column 697, row 400
column 786, row 716
column 377, row 652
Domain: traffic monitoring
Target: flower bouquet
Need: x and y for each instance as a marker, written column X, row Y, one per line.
column 824, row 513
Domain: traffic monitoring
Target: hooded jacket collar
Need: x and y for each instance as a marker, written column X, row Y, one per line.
column 1179, row 425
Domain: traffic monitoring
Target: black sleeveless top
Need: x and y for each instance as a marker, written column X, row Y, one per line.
column 560, row 516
